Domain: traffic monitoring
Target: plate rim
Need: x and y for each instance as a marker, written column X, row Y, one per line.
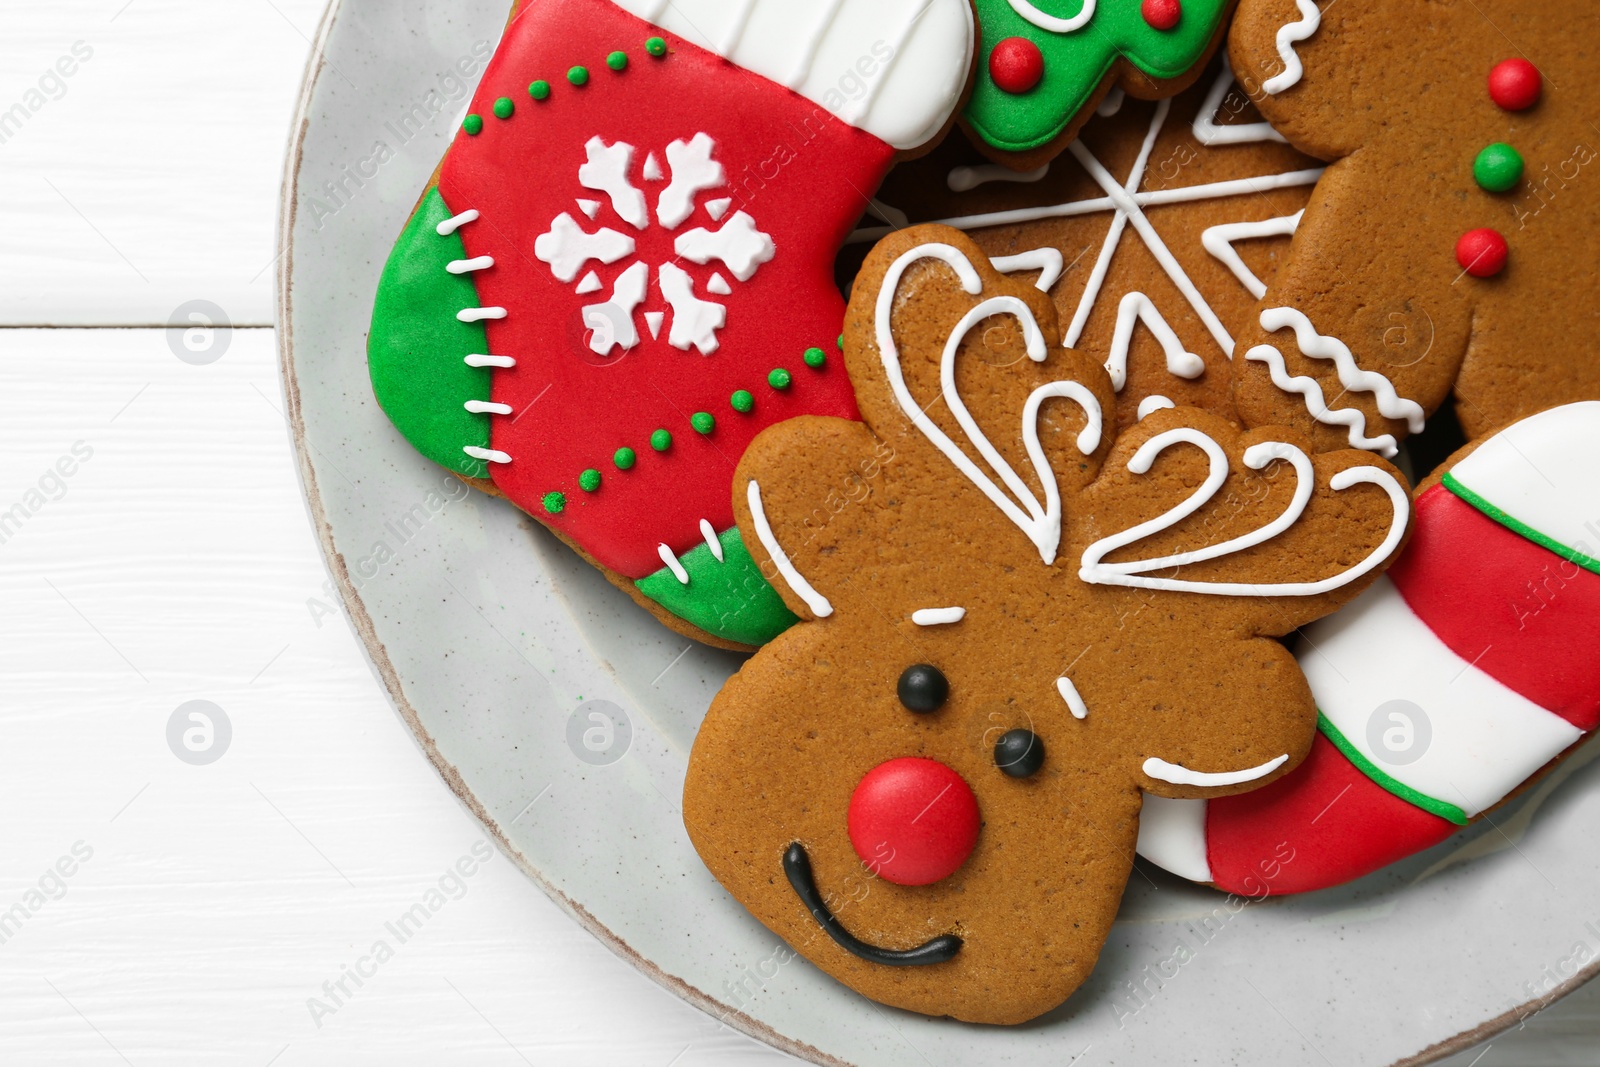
column 378, row 658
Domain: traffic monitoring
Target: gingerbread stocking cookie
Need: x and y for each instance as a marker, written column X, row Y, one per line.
column 623, row 270
column 1448, row 686
column 1045, row 66
column 1017, row 622
column 1450, row 248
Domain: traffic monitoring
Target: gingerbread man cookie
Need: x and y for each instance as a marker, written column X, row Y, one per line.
column 623, row 269
column 1016, row 622
column 1448, row 251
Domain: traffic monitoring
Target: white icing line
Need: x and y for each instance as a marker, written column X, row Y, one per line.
column 1112, row 103
column 467, row 266
column 714, row 543
column 1132, row 573
column 1048, row 261
column 488, row 455
column 451, row 225
column 1218, row 240
column 1317, row 406
column 966, row 179
column 1205, row 127
column 490, row 361
column 672, row 564
column 1053, row 23
column 1355, row 380
column 1069, row 693
column 938, row 616
column 479, row 314
column 1152, row 404
column 1136, row 308
column 486, row 407
column 803, row 589
column 1163, row 771
column 1288, row 36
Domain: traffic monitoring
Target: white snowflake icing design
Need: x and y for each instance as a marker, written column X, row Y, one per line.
column 567, row 248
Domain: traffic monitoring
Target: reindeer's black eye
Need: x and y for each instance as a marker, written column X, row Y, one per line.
column 923, row 688
column 1019, row 753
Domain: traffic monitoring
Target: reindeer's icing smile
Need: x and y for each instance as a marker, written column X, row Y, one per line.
column 797, row 865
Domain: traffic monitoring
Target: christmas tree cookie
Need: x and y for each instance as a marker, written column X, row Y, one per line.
column 622, row 271
column 1045, row 64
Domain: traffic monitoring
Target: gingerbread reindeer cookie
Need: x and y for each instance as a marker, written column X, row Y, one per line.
column 623, row 268
column 1016, row 622
column 1450, row 248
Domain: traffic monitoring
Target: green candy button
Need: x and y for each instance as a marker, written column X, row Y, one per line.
column 742, row 402
column 1498, row 167
column 578, row 75
column 625, row 459
column 661, row 440
column 473, row 125
column 539, row 90
column 589, row 480
column 780, row 379
column 504, row 108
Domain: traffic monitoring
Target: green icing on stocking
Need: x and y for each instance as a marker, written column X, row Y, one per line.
column 1076, row 61
column 417, row 348
column 729, row 599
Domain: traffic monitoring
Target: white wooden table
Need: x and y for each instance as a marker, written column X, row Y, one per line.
column 154, row 550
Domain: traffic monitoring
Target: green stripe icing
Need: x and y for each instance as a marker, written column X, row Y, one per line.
column 417, row 347
column 1512, row 523
column 729, row 599
column 1448, row 812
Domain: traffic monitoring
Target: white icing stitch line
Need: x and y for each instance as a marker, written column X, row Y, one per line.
column 488, row 455
column 1288, row 36
column 467, row 266
column 709, row 532
column 485, row 407
column 673, row 565
column 490, row 361
column 938, row 616
column 480, row 314
column 1069, row 693
column 1161, row 770
column 803, row 589
column 451, row 225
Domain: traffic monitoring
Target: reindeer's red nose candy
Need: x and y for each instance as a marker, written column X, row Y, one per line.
column 913, row 821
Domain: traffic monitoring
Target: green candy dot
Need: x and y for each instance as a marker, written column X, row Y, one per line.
column 578, row 75
column 617, row 61
column 661, row 440
column 780, row 379
column 473, row 125
column 504, row 108
column 625, row 459
column 815, row 357
column 555, row 503
column 703, row 422
column 743, row 402
column 539, row 90
column 1498, row 168
column 656, row 47
column 589, row 480
column 841, row 342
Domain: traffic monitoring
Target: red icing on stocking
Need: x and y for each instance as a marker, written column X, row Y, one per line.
column 663, row 237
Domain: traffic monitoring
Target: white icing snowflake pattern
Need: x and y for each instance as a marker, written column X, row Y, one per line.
column 738, row 245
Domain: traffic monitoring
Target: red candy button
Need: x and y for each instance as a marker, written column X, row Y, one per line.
column 1016, row 64
column 1482, row 253
column 913, row 821
column 1515, row 84
column 1161, row 14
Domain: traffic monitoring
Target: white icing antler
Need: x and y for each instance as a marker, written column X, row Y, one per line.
column 1134, row 573
column 1040, row 521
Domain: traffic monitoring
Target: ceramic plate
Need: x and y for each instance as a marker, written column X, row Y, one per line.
column 562, row 714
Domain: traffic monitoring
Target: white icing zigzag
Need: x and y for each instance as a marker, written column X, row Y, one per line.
column 1040, row 521
column 1135, row 573
column 1288, row 36
column 1355, row 380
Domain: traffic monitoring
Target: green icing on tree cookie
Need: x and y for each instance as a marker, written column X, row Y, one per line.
column 417, row 349
column 1076, row 60
column 729, row 599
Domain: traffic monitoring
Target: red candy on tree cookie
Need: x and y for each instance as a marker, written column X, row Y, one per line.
column 624, row 270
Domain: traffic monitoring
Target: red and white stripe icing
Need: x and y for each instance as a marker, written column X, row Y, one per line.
column 1489, row 624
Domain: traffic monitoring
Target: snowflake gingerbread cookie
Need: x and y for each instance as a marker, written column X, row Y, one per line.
column 1154, row 235
column 1019, row 623
column 623, row 270
column 1449, row 251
